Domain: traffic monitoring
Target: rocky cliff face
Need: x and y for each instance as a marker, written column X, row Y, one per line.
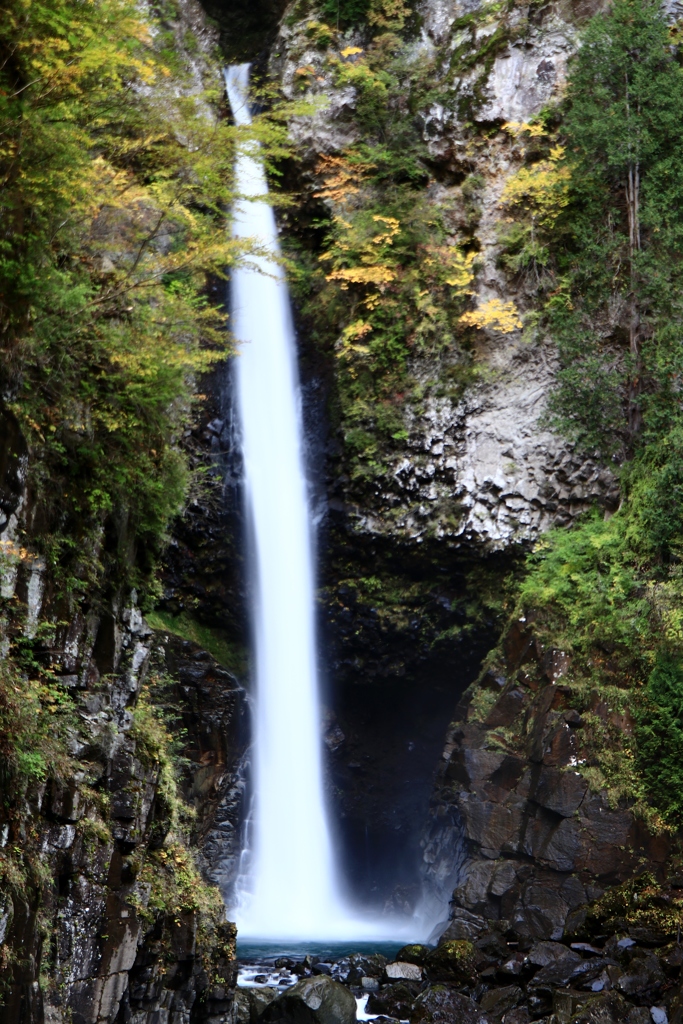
column 483, row 471
column 517, row 826
column 104, row 914
column 537, row 842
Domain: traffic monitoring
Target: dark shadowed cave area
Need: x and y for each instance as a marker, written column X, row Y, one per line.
column 383, row 772
column 246, row 28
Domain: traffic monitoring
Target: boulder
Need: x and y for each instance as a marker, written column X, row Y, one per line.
column 560, row 791
column 464, row 925
column 610, row 1008
column 250, row 1003
column 520, row 1015
column 394, row 1000
column 542, row 954
column 316, row 1000
column 442, row 1005
column 499, row 1000
column 415, row 953
column 400, row 971
column 452, row 961
column 643, row 979
column 241, row 1011
column 350, row 970
column 369, row 984
column 556, row 974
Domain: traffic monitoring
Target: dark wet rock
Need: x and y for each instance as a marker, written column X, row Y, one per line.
column 318, row 1000
column 643, row 979
column 585, row 949
column 513, row 966
column 352, row 969
column 586, row 973
column 505, row 710
column 452, row 961
column 520, row 1015
column 555, row 975
column 465, row 925
column 671, row 960
column 394, row 1000
column 609, row 1008
column 560, row 791
column 497, row 1001
column 249, row 1004
column 440, row 1004
column 569, row 969
column 493, row 946
column 539, row 844
column 542, row 954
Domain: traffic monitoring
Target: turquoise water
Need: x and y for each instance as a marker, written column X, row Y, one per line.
column 255, row 950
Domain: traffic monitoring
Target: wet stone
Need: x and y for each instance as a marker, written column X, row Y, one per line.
column 317, row 1000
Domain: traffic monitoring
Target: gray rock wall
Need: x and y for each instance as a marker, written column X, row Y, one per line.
column 483, row 471
column 537, row 842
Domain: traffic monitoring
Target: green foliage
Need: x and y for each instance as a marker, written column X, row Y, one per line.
column 610, row 593
column 590, row 578
column 381, row 15
column 391, row 282
column 603, row 195
column 641, row 902
column 184, row 625
column 345, row 12
column 660, row 736
column 114, row 178
column 167, row 868
column 596, row 228
column 35, row 714
column 155, row 747
column 176, row 887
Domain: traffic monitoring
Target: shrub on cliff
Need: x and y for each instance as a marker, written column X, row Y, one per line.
column 114, row 180
column 611, row 589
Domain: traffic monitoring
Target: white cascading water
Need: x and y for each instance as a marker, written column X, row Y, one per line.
column 293, row 873
column 292, row 889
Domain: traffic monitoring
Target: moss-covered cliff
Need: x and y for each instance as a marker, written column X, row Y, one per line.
column 114, row 169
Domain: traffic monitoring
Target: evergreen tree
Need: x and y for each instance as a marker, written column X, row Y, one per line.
column 624, row 129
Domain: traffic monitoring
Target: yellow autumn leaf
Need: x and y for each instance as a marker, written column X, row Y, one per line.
column 535, row 131
column 358, row 329
column 363, row 275
column 502, row 317
column 351, row 51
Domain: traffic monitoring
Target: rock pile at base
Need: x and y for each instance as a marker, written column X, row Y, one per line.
column 616, row 979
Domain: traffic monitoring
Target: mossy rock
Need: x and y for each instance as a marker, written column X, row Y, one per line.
column 414, row 953
column 452, row 962
column 641, row 908
column 317, row 1000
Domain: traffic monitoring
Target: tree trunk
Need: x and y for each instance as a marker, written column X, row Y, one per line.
column 633, row 208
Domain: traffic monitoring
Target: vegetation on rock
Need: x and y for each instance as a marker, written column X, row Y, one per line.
column 114, row 179
column 387, row 289
column 608, row 211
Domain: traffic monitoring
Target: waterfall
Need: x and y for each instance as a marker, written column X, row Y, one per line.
column 292, row 887
column 293, row 871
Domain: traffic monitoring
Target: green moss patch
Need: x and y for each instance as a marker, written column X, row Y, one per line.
column 230, row 655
